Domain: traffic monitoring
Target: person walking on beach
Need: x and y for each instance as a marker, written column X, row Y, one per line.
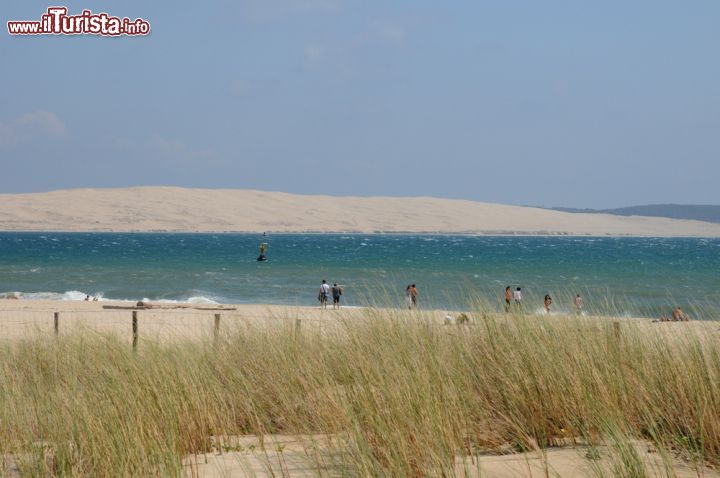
column 408, row 297
column 336, row 293
column 508, row 298
column 413, row 296
column 578, row 304
column 323, row 294
column 547, row 303
column 517, row 295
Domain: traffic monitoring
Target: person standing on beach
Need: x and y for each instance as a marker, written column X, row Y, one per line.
column 547, row 303
column 336, row 293
column 408, row 297
column 323, row 294
column 508, row 298
column 517, row 295
column 578, row 304
column 413, row 296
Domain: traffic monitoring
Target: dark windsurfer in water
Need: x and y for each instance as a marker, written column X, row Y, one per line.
column 263, row 249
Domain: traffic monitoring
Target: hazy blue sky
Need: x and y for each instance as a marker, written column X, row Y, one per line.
column 572, row 103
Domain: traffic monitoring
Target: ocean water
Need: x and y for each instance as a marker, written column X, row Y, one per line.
column 629, row 276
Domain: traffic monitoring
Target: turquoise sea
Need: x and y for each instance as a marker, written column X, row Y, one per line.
column 629, row 276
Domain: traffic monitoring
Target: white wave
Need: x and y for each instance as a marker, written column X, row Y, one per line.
column 42, row 296
column 67, row 295
column 74, row 295
column 201, row 300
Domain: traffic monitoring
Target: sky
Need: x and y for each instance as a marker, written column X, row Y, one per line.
column 556, row 103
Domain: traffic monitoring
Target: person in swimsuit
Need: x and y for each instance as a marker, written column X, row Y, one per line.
column 679, row 316
column 547, row 303
column 336, row 293
column 508, row 298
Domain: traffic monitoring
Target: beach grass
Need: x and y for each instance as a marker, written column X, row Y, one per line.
column 394, row 393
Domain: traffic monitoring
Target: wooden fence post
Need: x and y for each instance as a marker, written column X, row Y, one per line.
column 56, row 322
column 216, row 330
column 134, row 329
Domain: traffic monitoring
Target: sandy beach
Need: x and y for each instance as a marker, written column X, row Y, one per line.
column 172, row 209
column 163, row 322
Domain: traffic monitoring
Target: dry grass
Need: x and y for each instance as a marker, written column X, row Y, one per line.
column 397, row 393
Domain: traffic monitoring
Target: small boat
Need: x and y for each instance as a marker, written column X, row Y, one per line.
column 263, row 249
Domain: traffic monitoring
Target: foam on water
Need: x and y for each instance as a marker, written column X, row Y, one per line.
column 201, row 300
column 68, row 295
column 80, row 296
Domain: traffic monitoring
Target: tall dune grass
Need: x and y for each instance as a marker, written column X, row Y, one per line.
column 397, row 393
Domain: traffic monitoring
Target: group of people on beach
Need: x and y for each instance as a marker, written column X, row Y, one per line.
column 517, row 297
column 325, row 292
column 677, row 316
column 411, row 296
column 511, row 297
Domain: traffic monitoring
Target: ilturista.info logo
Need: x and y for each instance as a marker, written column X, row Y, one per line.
column 56, row 21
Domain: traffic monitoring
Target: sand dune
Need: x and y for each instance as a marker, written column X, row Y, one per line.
column 220, row 210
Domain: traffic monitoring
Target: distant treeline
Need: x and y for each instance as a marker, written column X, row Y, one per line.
column 674, row 211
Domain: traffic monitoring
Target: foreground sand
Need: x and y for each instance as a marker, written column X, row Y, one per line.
column 282, row 455
column 218, row 210
column 298, row 457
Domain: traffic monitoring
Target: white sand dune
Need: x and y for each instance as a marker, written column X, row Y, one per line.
column 219, row 210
